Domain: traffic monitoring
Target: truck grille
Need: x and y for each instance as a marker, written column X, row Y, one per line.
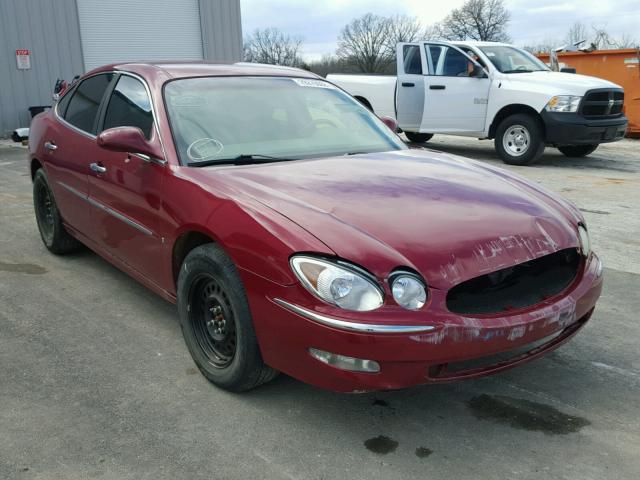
column 602, row 103
column 516, row 287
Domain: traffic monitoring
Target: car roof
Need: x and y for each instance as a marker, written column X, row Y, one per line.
column 181, row 69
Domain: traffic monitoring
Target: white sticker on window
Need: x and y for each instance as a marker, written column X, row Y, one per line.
column 310, row 82
column 204, row 149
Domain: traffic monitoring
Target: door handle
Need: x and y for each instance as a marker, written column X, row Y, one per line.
column 50, row 146
column 437, row 87
column 408, row 84
column 97, row 168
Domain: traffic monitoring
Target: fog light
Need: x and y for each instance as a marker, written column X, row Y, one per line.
column 345, row 363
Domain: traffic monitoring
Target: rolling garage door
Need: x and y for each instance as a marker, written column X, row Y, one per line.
column 124, row 30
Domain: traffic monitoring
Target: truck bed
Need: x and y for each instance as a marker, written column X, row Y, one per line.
column 375, row 91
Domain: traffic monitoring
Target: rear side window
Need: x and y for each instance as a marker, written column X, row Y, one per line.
column 63, row 103
column 83, row 106
column 412, row 61
column 129, row 106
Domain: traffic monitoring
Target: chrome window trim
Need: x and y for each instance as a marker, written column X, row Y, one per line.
column 159, row 161
column 110, row 211
column 351, row 326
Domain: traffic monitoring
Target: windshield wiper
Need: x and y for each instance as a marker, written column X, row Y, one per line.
column 519, row 71
column 242, row 159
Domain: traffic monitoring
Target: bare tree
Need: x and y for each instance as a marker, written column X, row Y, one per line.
column 364, row 43
column 274, row 47
column 577, row 33
column 369, row 42
column 484, row 20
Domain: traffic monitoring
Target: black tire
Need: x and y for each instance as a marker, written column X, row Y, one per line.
column 216, row 321
column 415, row 137
column 54, row 236
column 577, row 150
column 519, row 139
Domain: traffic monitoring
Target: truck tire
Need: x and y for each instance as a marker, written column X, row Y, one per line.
column 216, row 321
column 54, row 236
column 577, row 150
column 519, row 139
column 415, row 137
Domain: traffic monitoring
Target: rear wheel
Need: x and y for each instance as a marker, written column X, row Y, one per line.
column 519, row 139
column 216, row 321
column 54, row 236
column 415, row 137
column 577, row 150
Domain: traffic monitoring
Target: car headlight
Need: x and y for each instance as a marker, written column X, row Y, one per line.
column 585, row 243
column 336, row 283
column 408, row 291
column 563, row 103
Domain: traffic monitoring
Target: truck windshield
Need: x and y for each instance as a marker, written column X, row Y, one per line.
column 513, row 60
column 246, row 119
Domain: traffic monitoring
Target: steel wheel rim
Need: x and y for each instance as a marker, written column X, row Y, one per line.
column 44, row 211
column 516, row 140
column 213, row 321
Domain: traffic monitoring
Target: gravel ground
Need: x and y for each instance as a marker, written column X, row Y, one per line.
column 95, row 380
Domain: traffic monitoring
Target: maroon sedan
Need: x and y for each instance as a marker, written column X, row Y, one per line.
column 297, row 233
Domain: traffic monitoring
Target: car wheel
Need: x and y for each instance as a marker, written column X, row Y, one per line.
column 519, row 139
column 54, row 236
column 577, row 150
column 418, row 137
column 216, row 321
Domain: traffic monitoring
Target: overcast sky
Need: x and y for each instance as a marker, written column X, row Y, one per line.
column 319, row 21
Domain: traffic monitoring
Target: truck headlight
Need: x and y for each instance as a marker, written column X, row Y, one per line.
column 337, row 283
column 563, row 103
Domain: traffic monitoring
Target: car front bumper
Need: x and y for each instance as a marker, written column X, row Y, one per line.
column 574, row 129
column 440, row 347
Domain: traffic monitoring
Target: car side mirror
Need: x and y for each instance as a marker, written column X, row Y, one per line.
column 128, row 139
column 478, row 71
column 390, row 122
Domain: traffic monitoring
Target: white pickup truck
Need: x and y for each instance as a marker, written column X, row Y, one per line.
column 492, row 91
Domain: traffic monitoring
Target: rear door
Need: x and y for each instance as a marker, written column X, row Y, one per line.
column 411, row 63
column 455, row 101
column 69, row 145
column 126, row 188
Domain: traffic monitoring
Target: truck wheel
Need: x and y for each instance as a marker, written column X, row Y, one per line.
column 519, row 139
column 577, row 150
column 216, row 321
column 418, row 137
column 54, row 236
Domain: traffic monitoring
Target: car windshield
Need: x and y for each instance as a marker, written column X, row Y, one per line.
column 513, row 60
column 220, row 119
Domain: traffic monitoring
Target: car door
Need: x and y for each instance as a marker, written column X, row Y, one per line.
column 411, row 65
column 126, row 188
column 69, row 144
column 455, row 99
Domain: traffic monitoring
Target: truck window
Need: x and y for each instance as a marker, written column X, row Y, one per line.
column 412, row 61
column 449, row 62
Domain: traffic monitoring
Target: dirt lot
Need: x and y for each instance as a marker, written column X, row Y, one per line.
column 95, row 380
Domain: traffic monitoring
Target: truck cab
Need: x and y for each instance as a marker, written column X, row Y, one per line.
column 494, row 91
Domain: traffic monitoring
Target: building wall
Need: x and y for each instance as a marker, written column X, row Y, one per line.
column 220, row 21
column 50, row 31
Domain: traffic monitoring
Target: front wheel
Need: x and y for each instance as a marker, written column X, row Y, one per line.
column 216, row 321
column 577, row 150
column 519, row 139
column 415, row 137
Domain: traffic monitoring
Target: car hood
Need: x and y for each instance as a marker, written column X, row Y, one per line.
column 560, row 82
column 447, row 218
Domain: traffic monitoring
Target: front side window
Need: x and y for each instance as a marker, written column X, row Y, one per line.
column 129, row 106
column 513, row 60
column 83, row 106
column 221, row 118
column 449, row 62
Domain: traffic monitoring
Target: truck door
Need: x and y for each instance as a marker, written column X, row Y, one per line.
column 455, row 99
column 411, row 62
